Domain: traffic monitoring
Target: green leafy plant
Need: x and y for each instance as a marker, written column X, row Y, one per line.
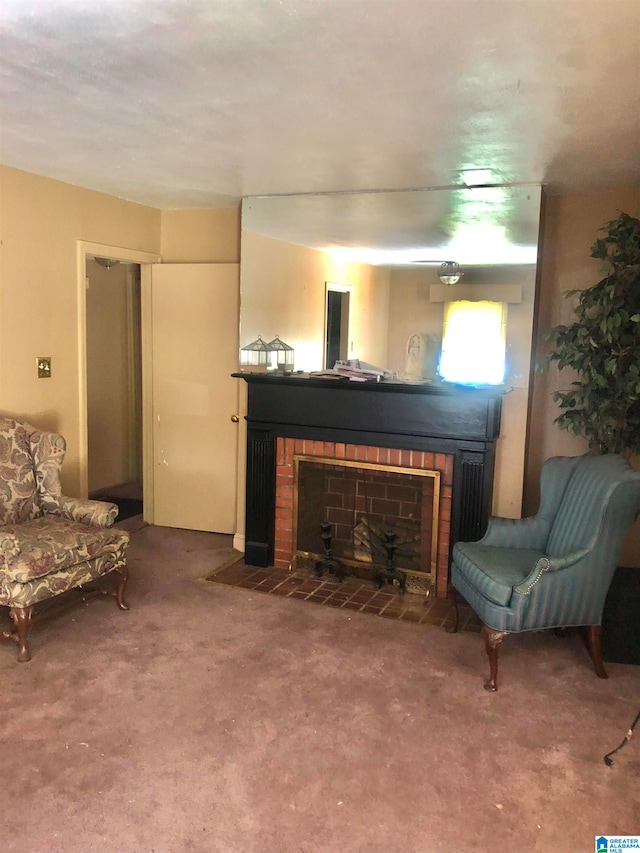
column 603, row 347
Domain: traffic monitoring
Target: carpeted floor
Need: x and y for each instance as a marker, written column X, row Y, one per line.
column 217, row 719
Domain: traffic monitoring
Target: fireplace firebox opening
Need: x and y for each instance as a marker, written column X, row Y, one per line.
column 424, row 464
column 366, row 505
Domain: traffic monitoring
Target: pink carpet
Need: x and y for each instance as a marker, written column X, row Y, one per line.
column 224, row 720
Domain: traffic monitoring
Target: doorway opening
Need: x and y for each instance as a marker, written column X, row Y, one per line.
column 337, row 299
column 114, row 383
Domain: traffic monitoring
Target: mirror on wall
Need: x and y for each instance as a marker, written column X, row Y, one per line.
column 387, row 248
column 475, row 226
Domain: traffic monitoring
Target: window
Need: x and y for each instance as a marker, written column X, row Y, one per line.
column 474, row 343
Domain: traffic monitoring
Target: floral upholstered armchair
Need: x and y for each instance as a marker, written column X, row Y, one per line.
column 49, row 543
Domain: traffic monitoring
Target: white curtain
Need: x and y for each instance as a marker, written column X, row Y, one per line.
column 474, row 342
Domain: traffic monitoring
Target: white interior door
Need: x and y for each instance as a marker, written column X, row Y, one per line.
column 194, row 318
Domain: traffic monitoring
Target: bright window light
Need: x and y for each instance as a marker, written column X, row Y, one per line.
column 474, row 343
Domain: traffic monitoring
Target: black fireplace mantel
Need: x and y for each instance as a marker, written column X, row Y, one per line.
column 464, row 422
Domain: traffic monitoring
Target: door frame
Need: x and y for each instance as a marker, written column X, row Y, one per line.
column 144, row 259
column 134, row 366
column 345, row 332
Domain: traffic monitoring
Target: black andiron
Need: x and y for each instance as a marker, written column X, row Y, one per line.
column 328, row 563
column 391, row 573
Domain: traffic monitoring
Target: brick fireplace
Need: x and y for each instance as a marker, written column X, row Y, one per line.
column 430, row 565
column 451, row 431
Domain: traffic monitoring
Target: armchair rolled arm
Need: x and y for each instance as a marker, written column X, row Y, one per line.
column 531, row 532
column 97, row 513
column 549, row 564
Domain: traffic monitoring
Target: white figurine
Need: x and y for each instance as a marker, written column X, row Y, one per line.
column 415, row 359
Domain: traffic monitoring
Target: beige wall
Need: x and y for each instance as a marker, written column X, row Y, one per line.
column 41, row 221
column 282, row 292
column 412, row 311
column 572, row 224
column 200, row 236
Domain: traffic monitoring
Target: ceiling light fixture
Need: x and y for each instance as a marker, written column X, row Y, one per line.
column 449, row 272
column 107, row 262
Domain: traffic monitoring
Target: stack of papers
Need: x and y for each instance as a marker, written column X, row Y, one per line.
column 354, row 371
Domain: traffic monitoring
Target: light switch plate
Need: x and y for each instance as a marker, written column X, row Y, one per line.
column 44, row 367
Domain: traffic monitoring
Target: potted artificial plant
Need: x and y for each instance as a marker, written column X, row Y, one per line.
column 602, row 346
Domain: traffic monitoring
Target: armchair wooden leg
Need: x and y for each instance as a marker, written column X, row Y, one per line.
column 22, row 620
column 452, row 596
column 123, row 577
column 595, row 650
column 492, row 642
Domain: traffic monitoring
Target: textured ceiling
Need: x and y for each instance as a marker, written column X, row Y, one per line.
column 196, row 103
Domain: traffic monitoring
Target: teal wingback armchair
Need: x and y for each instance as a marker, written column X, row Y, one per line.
column 552, row 570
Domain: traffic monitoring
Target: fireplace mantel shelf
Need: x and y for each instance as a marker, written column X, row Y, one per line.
column 308, row 406
column 427, row 387
column 463, row 422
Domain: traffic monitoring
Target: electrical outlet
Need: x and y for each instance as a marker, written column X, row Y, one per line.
column 44, row 367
